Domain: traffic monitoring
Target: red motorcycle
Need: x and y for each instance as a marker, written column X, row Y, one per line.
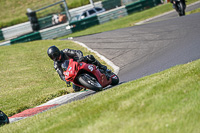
column 88, row 75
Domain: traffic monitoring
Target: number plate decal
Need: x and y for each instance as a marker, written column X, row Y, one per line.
column 70, row 69
column 91, row 67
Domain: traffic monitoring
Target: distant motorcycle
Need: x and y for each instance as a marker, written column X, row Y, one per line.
column 88, row 75
column 179, row 7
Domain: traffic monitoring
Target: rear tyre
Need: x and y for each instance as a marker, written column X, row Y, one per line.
column 90, row 82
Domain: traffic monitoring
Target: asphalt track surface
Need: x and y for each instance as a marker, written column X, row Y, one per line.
column 138, row 51
column 149, row 48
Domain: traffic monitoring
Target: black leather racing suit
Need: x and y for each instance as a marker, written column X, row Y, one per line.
column 183, row 1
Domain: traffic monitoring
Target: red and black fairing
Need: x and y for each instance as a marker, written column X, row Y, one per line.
column 75, row 69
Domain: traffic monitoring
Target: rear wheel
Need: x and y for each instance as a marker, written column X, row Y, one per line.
column 90, row 82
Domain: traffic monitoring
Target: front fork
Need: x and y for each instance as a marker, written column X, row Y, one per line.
column 176, row 7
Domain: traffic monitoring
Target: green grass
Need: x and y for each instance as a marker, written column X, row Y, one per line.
column 194, row 11
column 28, row 77
column 165, row 102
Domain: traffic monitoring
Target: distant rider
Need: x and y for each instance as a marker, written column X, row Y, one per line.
column 183, row 1
column 60, row 56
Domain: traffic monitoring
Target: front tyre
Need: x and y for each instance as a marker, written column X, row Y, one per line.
column 115, row 79
column 181, row 9
column 90, row 82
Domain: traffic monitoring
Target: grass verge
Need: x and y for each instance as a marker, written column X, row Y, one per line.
column 194, row 11
column 163, row 102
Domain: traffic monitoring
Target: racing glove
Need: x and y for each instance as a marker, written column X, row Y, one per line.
column 80, row 60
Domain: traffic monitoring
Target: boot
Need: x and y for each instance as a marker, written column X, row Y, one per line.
column 97, row 63
column 76, row 88
column 91, row 59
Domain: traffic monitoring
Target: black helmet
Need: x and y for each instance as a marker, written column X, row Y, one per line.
column 53, row 52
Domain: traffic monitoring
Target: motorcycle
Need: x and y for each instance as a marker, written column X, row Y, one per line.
column 88, row 75
column 179, row 7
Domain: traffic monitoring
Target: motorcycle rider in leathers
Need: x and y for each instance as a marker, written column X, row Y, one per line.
column 183, row 1
column 59, row 56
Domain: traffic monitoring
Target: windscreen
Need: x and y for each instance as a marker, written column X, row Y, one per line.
column 65, row 65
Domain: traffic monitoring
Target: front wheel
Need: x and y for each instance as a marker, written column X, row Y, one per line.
column 90, row 82
column 115, row 79
column 181, row 10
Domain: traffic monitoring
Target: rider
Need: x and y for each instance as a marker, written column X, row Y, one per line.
column 60, row 56
column 183, row 1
